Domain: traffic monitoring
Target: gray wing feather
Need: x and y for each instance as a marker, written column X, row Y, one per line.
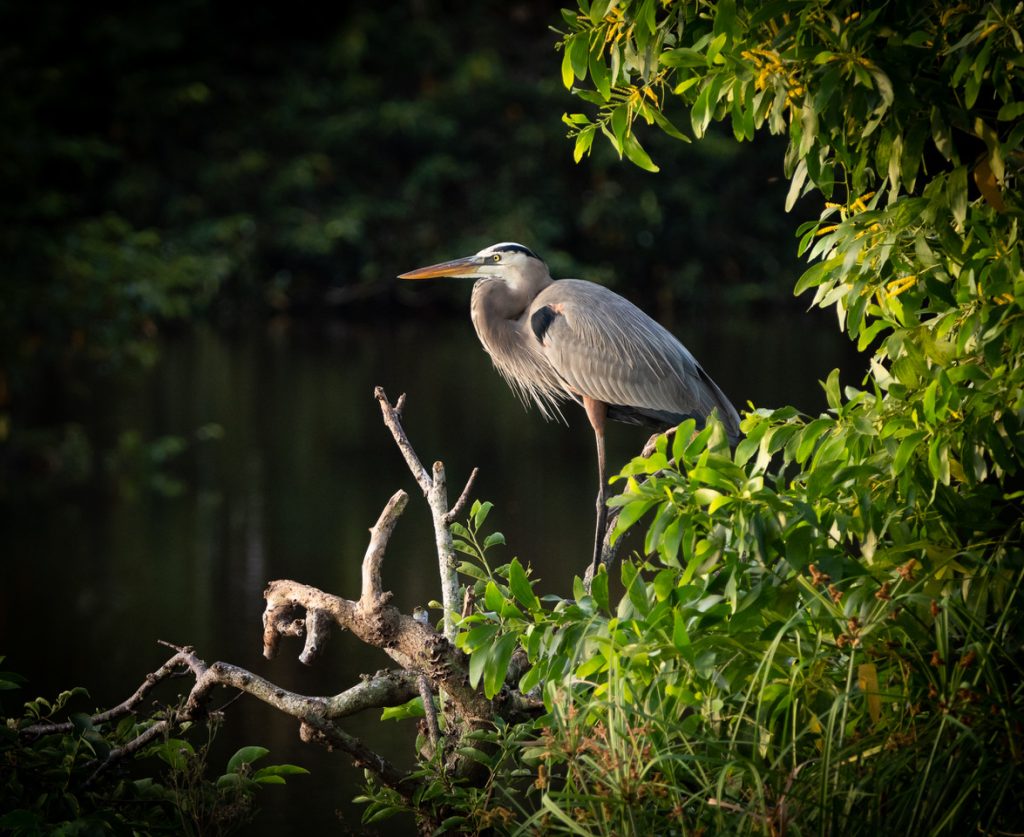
column 604, row 347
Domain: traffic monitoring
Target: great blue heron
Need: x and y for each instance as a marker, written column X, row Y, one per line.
column 571, row 340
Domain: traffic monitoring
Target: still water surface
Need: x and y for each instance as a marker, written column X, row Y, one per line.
column 303, row 469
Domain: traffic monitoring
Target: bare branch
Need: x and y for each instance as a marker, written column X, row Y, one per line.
column 385, row 688
column 434, row 488
column 316, row 714
column 413, row 645
column 168, row 669
column 429, row 710
column 373, row 596
column 285, row 620
column 317, row 624
column 393, row 420
column 460, row 504
column 332, row 737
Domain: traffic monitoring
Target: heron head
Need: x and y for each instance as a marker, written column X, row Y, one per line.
column 506, row 260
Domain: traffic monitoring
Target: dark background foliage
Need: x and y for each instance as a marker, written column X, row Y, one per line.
column 173, row 161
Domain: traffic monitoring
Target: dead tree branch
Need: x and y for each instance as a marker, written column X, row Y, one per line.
column 460, row 504
column 429, row 662
column 434, row 487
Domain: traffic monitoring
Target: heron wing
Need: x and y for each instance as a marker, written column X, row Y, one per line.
column 602, row 346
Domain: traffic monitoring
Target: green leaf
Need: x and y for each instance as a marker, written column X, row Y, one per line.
column 579, row 54
column 635, row 152
column 906, row 449
column 725, row 20
column 245, row 755
column 472, row 570
column 275, row 773
column 567, row 74
column 956, row 194
column 389, row 811
column 938, row 460
column 584, row 141
column 497, row 664
column 479, row 637
column 668, row 549
column 493, row 598
column 619, row 125
column 599, row 72
column 519, row 584
column 832, row 394
column 175, row 752
column 808, row 437
column 681, row 438
column 663, row 122
column 494, row 539
column 478, row 663
column 796, row 184
column 681, row 637
column 683, row 57
column 409, row 709
column 942, row 134
column 1010, row 111
column 816, row 275
column 598, row 9
column 664, row 584
column 632, row 512
column 701, row 112
column 636, row 589
column 884, row 86
column 716, row 47
column 480, row 513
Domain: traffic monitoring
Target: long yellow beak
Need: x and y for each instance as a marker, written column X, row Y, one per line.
column 466, row 267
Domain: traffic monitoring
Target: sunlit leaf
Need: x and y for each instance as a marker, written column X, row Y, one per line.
column 519, row 585
column 635, row 152
column 497, row 664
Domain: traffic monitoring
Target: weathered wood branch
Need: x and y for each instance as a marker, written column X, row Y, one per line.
column 126, row 707
column 460, row 504
column 317, row 715
column 373, row 595
column 430, row 663
column 413, row 645
column 434, row 487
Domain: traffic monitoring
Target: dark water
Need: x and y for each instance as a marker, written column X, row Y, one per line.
column 303, row 469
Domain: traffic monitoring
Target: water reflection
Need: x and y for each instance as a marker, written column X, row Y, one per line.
column 303, row 469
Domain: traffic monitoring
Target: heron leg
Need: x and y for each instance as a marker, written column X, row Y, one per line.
column 597, row 412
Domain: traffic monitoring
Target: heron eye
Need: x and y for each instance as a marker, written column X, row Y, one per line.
column 496, row 257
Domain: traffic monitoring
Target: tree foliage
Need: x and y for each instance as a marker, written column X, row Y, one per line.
column 824, row 634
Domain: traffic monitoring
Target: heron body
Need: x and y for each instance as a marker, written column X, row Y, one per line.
column 564, row 340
